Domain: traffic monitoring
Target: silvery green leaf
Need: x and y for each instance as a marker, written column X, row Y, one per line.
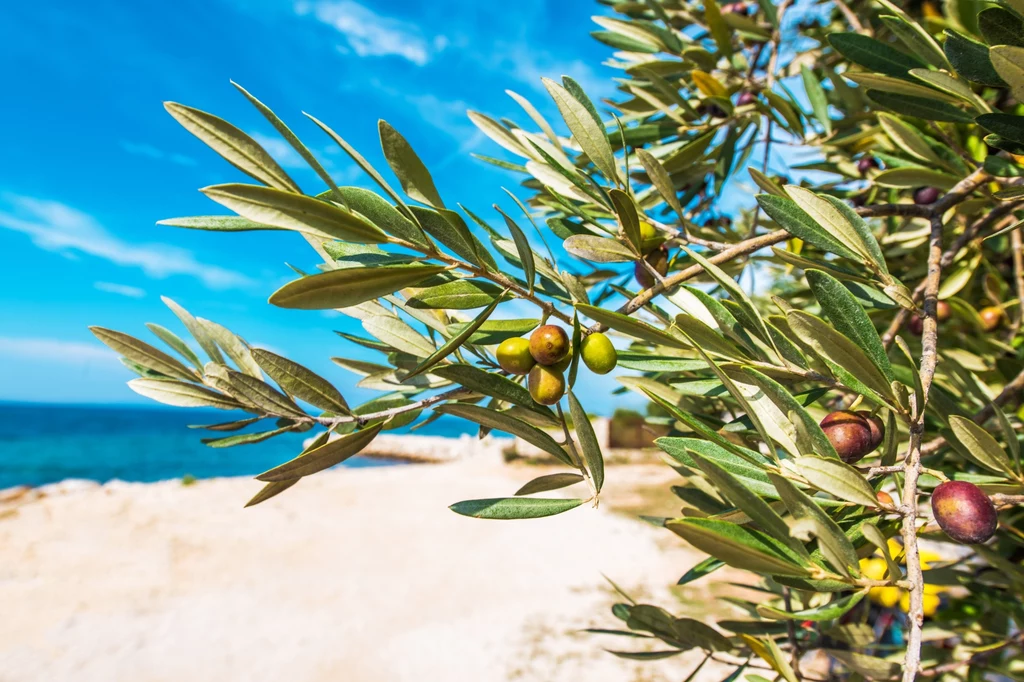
column 301, row 382
column 180, row 394
column 407, row 166
column 143, row 353
column 237, row 148
column 399, row 334
column 328, row 455
column 350, row 286
column 297, row 212
column 598, row 249
column 588, row 441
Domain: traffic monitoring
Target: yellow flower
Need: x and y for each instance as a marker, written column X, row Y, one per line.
column 875, row 568
column 931, row 600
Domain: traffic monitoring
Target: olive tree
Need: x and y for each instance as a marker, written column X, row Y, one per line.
column 857, row 399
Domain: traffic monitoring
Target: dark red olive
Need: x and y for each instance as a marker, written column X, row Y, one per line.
column 876, row 426
column 865, row 164
column 658, row 259
column 964, row 512
column 925, row 195
column 849, row 433
column 916, row 324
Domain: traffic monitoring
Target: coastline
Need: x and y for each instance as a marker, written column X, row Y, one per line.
column 358, row 574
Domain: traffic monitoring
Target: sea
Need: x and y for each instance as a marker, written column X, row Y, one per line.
column 42, row 444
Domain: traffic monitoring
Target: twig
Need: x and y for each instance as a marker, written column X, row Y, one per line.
column 912, row 471
column 743, row 248
column 1016, row 246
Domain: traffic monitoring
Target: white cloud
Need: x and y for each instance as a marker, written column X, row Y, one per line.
column 528, row 64
column 372, row 35
column 120, row 289
column 55, row 350
column 58, row 227
column 151, row 152
column 282, row 152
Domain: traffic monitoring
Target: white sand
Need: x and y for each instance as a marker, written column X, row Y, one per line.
column 352, row 575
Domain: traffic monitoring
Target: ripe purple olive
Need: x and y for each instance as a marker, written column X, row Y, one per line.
column 549, row 344
column 916, row 324
column 876, row 426
column 964, row 512
column 865, row 164
column 925, row 195
column 658, row 260
column 746, row 97
column 849, row 433
column 942, row 313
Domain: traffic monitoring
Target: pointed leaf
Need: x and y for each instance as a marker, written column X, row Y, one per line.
column 180, row 394
column 500, row 421
column 301, row 382
column 738, row 546
column 350, row 286
column 324, row 457
column 514, row 507
column 407, row 166
column 548, row 482
column 588, row 441
column 143, row 353
column 587, row 132
column 290, row 211
column 237, row 148
column 836, row 478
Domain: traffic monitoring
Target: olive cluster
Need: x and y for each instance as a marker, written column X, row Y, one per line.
column 962, row 510
column 853, row 434
column 546, row 355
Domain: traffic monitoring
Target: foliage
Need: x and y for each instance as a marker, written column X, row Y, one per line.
column 894, row 236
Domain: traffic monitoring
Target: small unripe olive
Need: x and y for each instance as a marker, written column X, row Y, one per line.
column 548, row 344
column 650, row 237
column 849, row 433
column 926, row 195
column 514, row 355
column 991, row 317
column 598, row 353
column 658, row 260
column 547, row 385
column 964, row 512
column 876, row 426
column 943, row 311
column 884, row 498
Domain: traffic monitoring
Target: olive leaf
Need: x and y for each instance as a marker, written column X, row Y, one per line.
column 514, row 507
column 350, row 286
column 324, row 457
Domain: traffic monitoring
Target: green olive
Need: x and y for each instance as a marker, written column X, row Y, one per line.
column 598, row 353
column 514, row 356
column 547, row 385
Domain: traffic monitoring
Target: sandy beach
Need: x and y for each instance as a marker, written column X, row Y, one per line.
column 355, row 574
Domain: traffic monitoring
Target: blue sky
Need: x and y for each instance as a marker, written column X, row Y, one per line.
column 92, row 161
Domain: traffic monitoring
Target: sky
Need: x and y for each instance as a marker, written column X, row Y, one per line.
column 91, row 161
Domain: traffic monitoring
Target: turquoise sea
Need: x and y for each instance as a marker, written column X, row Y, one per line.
column 47, row 443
